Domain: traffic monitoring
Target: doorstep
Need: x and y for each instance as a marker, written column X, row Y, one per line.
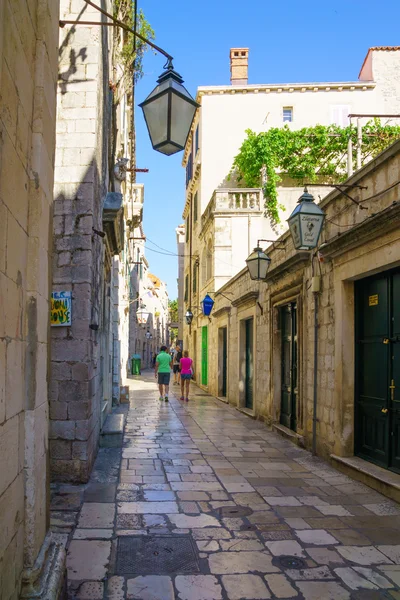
column 112, row 433
column 289, row 434
column 223, row 399
column 246, row 411
column 379, row 479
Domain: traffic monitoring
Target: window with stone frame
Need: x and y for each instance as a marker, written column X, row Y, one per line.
column 186, row 288
column 194, row 286
column 209, row 261
column 204, row 266
column 195, row 207
column 287, row 114
column 196, row 140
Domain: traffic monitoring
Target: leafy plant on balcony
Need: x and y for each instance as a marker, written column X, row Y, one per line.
column 312, row 154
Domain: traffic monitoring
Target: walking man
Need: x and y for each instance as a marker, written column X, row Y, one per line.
column 176, row 364
column 163, row 372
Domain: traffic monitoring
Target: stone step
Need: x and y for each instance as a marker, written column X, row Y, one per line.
column 384, row 481
column 289, row 434
column 112, row 433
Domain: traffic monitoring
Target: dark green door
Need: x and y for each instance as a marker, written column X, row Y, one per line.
column 224, row 361
column 249, row 364
column 377, row 403
column 204, row 355
column 394, row 388
column 288, row 320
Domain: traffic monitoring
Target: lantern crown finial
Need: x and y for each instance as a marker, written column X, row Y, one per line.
column 306, row 196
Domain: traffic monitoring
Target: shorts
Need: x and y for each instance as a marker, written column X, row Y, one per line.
column 163, row 378
column 176, row 369
column 186, row 376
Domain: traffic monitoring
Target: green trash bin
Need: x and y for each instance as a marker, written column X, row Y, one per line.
column 136, row 364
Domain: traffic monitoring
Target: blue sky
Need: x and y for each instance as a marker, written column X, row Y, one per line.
column 289, row 41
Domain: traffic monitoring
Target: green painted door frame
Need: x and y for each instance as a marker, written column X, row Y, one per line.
column 204, row 355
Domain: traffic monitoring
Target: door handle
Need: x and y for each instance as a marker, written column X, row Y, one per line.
column 392, row 339
column 384, row 410
column 392, row 387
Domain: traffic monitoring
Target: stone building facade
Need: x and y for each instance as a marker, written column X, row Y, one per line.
column 180, row 244
column 31, row 564
column 224, row 221
column 97, row 208
column 148, row 307
column 260, row 339
column 81, row 353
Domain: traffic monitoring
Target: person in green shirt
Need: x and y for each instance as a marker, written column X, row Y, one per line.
column 163, row 372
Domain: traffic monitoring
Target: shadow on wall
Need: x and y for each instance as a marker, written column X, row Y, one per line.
column 78, row 352
column 64, row 76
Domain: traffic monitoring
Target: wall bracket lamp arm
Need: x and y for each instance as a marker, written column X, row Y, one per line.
column 339, row 187
column 275, row 246
column 123, row 26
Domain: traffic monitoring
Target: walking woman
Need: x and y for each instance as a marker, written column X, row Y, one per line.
column 186, row 365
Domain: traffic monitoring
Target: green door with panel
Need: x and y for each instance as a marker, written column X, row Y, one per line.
column 204, row 355
column 249, row 324
column 377, row 382
column 289, row 390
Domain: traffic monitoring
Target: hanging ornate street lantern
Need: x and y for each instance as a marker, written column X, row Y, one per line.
column 169, row 111
column 189, row 317
column 305, row 222
column 258, row 264
column 142, row 317
column 207, row 305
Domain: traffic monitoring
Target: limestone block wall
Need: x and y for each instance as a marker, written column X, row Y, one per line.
column 289, row 280
column 28, row 75
column 81, row 182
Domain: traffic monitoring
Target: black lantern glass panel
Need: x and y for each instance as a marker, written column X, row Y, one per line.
column 258, row 264
column 169, row 110
column 305, row 223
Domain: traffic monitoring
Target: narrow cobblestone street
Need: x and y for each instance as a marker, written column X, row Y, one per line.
column 203, row 503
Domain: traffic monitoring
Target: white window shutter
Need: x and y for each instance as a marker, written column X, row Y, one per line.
column 339, row 114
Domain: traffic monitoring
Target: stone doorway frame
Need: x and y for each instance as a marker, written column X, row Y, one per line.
column 347, row 270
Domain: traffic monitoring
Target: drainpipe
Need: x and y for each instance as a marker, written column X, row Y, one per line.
column 316, row 283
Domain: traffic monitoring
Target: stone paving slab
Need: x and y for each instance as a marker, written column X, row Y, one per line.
column 179, row 465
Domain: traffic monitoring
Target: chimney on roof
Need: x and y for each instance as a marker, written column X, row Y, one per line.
column 239, row 58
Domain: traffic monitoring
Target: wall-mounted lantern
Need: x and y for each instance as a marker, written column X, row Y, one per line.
column 169, row 111
column 142, row 317
column 189, row 317
column 258, row 264
column 305, row 222
column 207, row 305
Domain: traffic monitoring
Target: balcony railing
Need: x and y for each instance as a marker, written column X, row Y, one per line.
column 234, row 200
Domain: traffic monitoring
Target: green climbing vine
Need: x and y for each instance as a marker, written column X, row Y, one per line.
column 313, row 154
column 132, row 59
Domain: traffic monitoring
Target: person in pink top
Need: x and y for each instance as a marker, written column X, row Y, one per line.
column 186, row 366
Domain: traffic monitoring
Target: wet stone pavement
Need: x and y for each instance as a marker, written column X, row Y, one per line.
column 203, row 503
